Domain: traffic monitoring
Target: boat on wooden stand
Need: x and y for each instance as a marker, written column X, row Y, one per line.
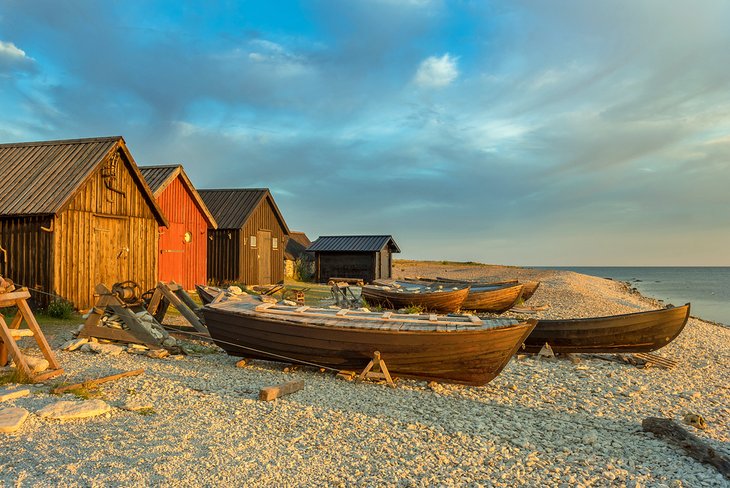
column 481, row 298
column 528, row 287
column 428, row 299
column 626, row 333
column 456, row 349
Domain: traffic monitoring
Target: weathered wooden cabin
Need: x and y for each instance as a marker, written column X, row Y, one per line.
column 366, row 257
column 183, row 245
column 296, row 246
column 75, row 213
column 248, row 245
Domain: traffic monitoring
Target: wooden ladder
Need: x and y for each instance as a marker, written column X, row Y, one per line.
column 9, row 335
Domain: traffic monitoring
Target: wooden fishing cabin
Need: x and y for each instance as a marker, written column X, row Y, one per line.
column 183, row 245
column 75, row 213
column 248, row 245
column 368, row 258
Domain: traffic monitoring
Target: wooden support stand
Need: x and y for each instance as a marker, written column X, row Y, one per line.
column 136, row 334
column 9, row 334
column 376, row 369
column 173, row 294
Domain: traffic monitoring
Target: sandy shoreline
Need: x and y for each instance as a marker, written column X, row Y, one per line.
column 540, row 423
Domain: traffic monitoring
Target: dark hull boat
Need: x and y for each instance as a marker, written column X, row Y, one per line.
column 445, row 301
column 461, row 349
column 207, row 293
column 627, row 333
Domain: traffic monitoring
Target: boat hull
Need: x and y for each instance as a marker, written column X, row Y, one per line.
column 528, row 287
column 472, row 357
column 443, row 301
column 206, row 293
column 495, row 300
column 627, row 333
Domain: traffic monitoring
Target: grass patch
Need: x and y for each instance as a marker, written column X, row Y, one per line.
column 60, row 309
column 14, row 376
column 146, row 411
column 413, row 309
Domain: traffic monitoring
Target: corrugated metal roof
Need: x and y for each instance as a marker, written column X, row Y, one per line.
column 39, row 177
column 232, row 208
column 353, row 244
column 159, row 177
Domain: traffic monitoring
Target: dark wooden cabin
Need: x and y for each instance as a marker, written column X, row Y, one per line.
column 75, row 213
column 248, row 246
column 296, row 246
column 365, row 257
column 183, row 246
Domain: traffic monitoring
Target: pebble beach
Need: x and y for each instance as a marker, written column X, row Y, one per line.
column 196, row 420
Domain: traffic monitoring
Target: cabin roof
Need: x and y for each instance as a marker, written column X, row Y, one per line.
column 160, row 177
column 38, row 178
column 233, row 207
column 297, row 244
column 354, row 244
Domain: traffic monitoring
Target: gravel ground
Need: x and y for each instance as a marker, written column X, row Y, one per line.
column 540, row 423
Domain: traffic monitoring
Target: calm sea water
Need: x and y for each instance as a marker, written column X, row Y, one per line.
column 707, row 288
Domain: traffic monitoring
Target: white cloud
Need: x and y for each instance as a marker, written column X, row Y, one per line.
column 10, row 50
column 435, row 72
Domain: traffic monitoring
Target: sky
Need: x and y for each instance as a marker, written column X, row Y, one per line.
column 509, row 132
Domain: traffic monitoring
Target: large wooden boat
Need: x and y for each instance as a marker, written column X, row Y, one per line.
column 528, row 287
column 627, row 333
column 432, row 299
column 207, row 293
column 455, row 349
column 482, row 297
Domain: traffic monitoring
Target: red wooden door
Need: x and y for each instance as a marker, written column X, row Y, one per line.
column 172, row 253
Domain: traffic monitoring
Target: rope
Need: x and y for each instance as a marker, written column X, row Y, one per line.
column 33, row 290
column 293, row 360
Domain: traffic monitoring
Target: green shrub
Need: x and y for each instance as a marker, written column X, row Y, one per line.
column 60, row 309
column 304, row 268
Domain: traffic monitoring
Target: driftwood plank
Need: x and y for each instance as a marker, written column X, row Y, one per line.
column 694, row 446
column 273, row 392
column 98, row 381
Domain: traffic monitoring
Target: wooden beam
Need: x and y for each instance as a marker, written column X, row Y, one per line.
column 97, row 381
column 136, row 329
column 273, row 392
column 182, row 308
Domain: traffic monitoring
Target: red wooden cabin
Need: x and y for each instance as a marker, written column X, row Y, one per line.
column 183, row 246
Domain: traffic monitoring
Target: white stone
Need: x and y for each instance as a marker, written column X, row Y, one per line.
column 6, row 395
column 11, row 419
column 108, row 349
column 74, row 344
column 67, row 410
column 35, row 364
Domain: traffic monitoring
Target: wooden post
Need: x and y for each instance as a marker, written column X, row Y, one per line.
column 273, row 392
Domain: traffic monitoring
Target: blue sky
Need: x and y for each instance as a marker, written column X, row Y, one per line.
column 510, row 132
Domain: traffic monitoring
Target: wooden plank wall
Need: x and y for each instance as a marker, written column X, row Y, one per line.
column 183, row 216
column 29, row 254
column 223, row 256
column 263, row 218
column 234, row 260
column 74, row 238
column 346, row 265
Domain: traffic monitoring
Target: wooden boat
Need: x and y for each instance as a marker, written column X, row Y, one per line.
column 429, row 299
column 528, row 287
column 458, row 349
column 207, row 293
column 482, row 297
column 627, row 333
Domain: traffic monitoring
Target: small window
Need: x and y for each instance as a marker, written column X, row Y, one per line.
column 252, row 240
column 275, row 243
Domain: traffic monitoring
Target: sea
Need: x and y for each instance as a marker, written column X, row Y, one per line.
column 706, row 288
